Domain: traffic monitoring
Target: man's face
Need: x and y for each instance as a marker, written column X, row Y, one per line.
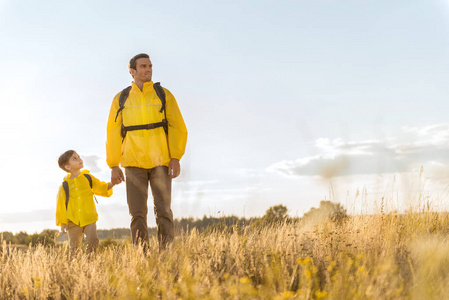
column 144, row 70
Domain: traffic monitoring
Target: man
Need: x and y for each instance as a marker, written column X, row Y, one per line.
column 149, row 153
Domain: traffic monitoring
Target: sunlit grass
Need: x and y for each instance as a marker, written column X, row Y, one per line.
column 385, row 256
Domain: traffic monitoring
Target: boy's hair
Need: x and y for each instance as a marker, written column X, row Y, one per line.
column 132, row 62
column 64, row 158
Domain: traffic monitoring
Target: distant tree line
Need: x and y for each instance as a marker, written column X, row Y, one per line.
column 46, row 237
column 273, row 216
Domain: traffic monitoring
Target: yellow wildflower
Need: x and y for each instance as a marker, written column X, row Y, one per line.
column 288, row 294
column 321, row 294
column 245, row 280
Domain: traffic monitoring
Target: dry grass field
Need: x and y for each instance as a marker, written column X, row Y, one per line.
column 385, row 256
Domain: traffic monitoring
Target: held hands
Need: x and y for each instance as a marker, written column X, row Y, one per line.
column 174, row 168
column 116, row 176
column 64, row 228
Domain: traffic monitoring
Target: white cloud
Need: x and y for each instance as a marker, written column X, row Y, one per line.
column 92, row 162
column 428, row 146
column 435, row 134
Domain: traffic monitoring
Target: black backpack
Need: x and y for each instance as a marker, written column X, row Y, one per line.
column 161, row 94
column 65, row 186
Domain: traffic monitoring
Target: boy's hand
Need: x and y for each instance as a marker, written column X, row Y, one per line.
column 64, row 228
column 117, row 175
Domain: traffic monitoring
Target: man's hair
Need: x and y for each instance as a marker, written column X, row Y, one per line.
column 64, row 158
column 132, row 61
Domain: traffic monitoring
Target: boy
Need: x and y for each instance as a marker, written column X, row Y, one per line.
column 76, row 214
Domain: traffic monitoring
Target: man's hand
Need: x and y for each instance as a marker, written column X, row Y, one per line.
column 64, row 228
column 117, row 175
column 174, row 168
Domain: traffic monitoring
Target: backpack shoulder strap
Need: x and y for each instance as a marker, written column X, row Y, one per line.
column 123, row 96
column 160, row 93
column 89, row 178
column 65, row 186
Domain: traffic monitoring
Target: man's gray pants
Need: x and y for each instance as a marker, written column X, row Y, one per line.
column 137, row 194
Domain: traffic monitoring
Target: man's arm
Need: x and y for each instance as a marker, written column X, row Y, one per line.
column 114, row 137
column 177, row 131
column 174, row 168
column 114, row 142
column 117, row 175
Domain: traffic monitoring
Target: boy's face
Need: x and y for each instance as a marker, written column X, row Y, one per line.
column 75, row 163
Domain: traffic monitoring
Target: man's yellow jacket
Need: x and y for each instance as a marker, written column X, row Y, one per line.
column 147, row 148
column 81, row 207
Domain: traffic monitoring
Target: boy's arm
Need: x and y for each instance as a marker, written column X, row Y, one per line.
column 61, row 211
column 101, row 188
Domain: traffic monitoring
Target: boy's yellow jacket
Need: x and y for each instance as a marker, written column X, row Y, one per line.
column 81, row 208
column 145, row 148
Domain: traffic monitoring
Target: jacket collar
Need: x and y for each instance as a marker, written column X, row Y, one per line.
column 69, row 176
column 146, row 86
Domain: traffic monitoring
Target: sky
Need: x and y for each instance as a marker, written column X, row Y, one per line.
column 286, row 102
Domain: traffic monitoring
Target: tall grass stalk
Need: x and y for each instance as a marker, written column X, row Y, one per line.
column 386, row 256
